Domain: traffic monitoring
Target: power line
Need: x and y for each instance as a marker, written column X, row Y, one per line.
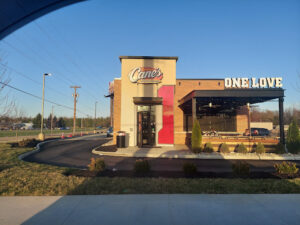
column 39, row 83
column 27, row 77
column 32, row 59
column 22, row 7
column 88, row 66
column 38, row 97
column 69, row 57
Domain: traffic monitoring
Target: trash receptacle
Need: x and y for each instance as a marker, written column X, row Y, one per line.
column 121, row 139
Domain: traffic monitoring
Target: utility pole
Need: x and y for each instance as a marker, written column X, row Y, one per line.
column 75, row 95
column 52, row 120
column 95, row 117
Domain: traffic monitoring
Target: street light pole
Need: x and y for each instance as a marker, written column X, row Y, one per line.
column 41, row 135
column 52, row 120
column 95, row 117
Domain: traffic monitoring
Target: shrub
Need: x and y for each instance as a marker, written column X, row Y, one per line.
column 97, row 165
column 197, row 150
column 196, row 137
column 208, row 147
column 293, row 147
column 279, row 148
column 69, row 171
column 241, row 168
column 260, row 148
column 28, row 143
column 224, row 148
column 141, row 167
column 241, row 148
column 293, row 132
column 293, row 138
column 14, row 144
column 189, row 169
column 286, row 168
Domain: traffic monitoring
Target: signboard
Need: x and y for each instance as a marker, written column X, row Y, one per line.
column 264, row 82
column 145, row 74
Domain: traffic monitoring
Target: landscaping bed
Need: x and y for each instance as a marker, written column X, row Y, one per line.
column 108, row 148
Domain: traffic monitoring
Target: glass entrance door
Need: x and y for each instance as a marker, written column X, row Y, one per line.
column 146, row 126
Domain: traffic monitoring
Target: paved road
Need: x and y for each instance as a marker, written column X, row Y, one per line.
column 174, row 209
column 78, row 152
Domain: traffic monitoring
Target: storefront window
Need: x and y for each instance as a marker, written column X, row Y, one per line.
column 143, row 108
column 220, row 122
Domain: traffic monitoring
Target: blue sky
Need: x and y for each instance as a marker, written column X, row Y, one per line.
column 80, row 45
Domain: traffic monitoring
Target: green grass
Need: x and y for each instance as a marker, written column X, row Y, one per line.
column 24, row 178
column 13, row 133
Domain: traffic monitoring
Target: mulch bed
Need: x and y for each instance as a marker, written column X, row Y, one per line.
column 172, row 174
column 108, row 148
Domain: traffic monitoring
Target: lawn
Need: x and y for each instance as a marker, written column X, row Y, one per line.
column 24, row 178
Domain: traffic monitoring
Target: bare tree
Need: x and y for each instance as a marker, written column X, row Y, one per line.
column 7, row 104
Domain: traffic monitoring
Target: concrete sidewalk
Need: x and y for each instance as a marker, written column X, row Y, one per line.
column 151, row 209
column 182, row 152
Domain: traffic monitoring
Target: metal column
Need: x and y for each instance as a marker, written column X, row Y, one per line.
column 281, row 124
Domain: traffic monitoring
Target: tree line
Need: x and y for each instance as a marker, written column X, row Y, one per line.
column 290, row 114
column 68, row 122
column 58, row 121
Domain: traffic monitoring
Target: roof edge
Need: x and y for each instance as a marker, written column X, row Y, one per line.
column 148, row 57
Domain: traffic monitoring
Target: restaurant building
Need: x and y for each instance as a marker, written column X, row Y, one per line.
column 155, row 108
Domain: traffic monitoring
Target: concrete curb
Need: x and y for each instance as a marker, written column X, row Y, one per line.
column 37, row 149
column 230, row 156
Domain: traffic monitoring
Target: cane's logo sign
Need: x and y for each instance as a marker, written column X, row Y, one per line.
column 146, row 74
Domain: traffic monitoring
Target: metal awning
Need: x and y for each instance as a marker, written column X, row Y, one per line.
column 228, row 99
column 147, row 100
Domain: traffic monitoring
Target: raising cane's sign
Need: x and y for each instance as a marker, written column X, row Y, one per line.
column 264, row 82
column 147, row 74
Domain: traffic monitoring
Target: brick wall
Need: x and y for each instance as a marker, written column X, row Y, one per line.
column 184, row 87
column 242, row 119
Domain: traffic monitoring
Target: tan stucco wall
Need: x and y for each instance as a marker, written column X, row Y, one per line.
column 130, row 90
column 117, row 107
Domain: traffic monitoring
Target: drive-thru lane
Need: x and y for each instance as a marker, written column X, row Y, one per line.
column 75, row 152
